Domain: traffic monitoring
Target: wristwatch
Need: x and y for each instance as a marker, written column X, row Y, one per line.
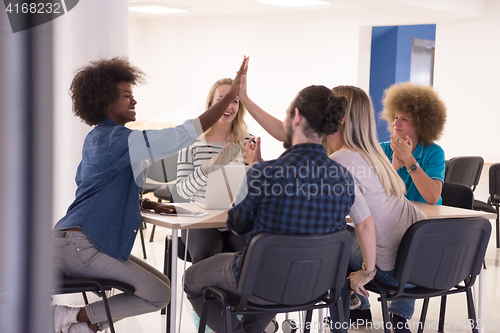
column 413, row 167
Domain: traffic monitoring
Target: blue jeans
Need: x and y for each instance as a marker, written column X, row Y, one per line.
column 403, row 308
column 217, row 271
column 76, row 256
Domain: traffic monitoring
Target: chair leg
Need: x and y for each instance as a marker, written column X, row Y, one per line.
column 341, row 315
column 385, row 313
column 471, row 310
column 85, row 299
column 108, row 312
column 442, row 313
column 423, row 315
column 151, row 237
column 143, row 245
column 308, row 320
column 347, row 301
column 203, row 317
column 498, row 226
column 228, row 320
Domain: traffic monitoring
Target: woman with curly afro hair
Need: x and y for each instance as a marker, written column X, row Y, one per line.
column 95, row 237
column 416, row 116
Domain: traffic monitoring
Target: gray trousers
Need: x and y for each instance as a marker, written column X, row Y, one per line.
column 76, row 256
column 217, row 271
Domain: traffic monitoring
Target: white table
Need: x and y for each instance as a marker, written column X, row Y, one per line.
column 217, row 219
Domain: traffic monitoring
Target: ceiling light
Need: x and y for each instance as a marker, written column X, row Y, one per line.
column 157, row 8
column 295, row 3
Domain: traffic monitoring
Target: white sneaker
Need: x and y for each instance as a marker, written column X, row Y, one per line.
column 79, row 328
column 63, row 316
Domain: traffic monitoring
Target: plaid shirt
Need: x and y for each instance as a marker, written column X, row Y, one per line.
column 301, row 192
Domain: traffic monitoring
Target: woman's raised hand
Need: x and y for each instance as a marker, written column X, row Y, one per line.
column 243, row 86
column 235, row 87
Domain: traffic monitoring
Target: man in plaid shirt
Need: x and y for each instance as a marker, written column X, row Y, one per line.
column 301, row 192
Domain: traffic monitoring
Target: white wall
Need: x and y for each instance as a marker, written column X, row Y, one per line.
column 467, row 77
column 184, row 57
column 82, row 35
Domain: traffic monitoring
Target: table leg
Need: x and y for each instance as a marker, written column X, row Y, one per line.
column 173, row 281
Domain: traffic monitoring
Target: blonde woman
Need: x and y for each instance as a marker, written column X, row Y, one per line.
column 221, row 144
column 381, row 213
column 381, row 195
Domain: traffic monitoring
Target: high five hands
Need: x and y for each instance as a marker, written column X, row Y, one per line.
column 235, row 87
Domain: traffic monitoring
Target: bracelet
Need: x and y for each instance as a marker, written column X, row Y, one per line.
column 368, row 273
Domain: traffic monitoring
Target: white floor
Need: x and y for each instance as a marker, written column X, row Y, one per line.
column 456, row 314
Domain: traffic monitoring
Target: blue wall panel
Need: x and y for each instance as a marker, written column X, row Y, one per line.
column 391, row 62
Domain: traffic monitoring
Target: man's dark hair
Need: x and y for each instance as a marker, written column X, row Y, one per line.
column 322, row 109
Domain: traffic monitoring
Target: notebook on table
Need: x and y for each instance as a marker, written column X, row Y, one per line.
column 222, row 185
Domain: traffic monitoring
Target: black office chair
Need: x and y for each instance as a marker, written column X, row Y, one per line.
column 161, row 172
column 289, row 273
column 494, row 199
column 67, row 285
column 440, row 257
column 457, row 195
column 464, row 170
column 460, row 196
column 168, row 192
column 492, row 206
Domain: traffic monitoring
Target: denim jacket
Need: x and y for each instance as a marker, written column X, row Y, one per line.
column 106, row 206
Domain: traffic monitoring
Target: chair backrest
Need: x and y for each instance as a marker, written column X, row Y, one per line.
column 446, row 168
column 494, row 178
column 457, row 195
column 464, row 170
column 441, row 253
column 294, row 269
column 161, row 170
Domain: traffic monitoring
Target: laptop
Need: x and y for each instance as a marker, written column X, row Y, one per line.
column 222, row 185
